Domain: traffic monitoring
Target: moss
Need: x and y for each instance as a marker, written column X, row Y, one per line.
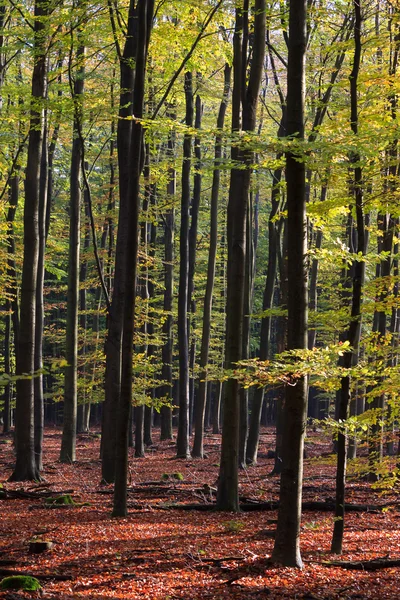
column 167, row 476
column 20, row 582
column 60, row 500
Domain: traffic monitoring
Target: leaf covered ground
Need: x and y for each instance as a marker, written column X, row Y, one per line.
column 160, row 553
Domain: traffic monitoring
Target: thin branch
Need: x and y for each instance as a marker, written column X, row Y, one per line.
column 187, row 57
column 11, row 173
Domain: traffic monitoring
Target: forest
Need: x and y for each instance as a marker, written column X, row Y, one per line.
column 199, row 264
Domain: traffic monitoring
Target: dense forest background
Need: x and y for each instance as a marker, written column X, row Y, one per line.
column 200, row 229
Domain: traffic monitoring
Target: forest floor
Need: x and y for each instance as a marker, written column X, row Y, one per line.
column 160, row 553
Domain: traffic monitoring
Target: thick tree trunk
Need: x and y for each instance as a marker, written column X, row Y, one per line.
column 145, row 10
column 212, row 253
column 182, row 441
column 287, row 548
column 38, row 386
column 112, row 384
column 25, row 467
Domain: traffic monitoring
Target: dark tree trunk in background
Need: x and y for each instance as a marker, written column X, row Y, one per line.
column 287, row 547
column 212, row 253
column 194, row 211
column 82, row 425
column 12, row 304
column 7, row 369
column 244, row 97
column 356, row 303
column 265, row 333
column 25, row 467
column 182, row 442
column 167, row 348
column 68, row 441
column 148, row 410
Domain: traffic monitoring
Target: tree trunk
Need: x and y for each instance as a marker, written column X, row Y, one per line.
column 25, row 467
column 247, row 96
column 182, row 441
column 68, row 441
column 198, row 449
column 38, row 385
column 287, row 548
column 145, row 10
column 167, row 348
column 112, row 384
column 358, row 282
column 265, row 333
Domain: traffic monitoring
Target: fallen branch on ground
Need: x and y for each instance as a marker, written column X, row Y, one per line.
column 364, row 565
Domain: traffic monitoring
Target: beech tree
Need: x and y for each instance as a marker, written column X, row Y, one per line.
column 244, row 105
column 26, row 467
column 287, row 548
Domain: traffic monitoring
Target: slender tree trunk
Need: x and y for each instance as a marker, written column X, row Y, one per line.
column 287, row 547
column 198, row 449
column 245, row 97
column 7, row 369
column 182, row 441
column 195, row 206
column 358, row 282
column 265, row 333
column 81, row 425
column 68, row 441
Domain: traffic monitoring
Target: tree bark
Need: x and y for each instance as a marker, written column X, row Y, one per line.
column 112, row 384
column 25, row 467
column 38, row 385
column 145, row 10
column 182, row 441
column 244, row 97
column 287, row 547
column 68, row 441
column 198, row 449
column 358, row 282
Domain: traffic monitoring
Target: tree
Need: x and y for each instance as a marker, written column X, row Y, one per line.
column 25, row 467
column 244, row 102
column 287, row 548
column 145, row 10
column 68, row 442
column 353, row 333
